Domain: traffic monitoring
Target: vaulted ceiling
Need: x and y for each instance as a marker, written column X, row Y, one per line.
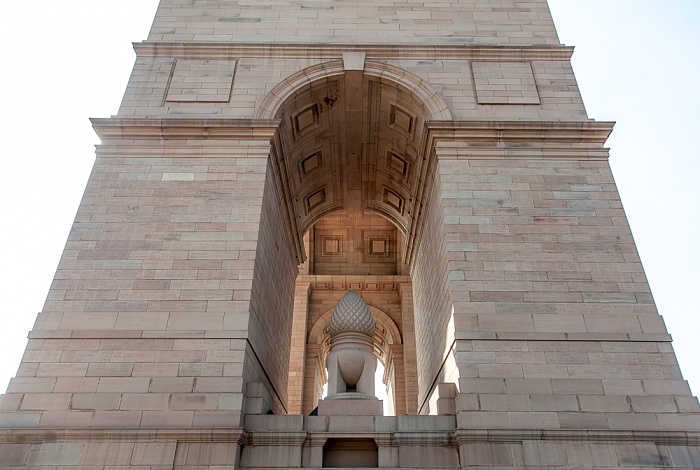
column 352, row 142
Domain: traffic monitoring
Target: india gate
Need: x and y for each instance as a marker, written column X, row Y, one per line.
column 296, row 193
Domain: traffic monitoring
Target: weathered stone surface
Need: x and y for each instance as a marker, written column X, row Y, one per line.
column 437, row 159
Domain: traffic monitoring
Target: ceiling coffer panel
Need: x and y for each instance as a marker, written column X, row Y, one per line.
column 311, row 162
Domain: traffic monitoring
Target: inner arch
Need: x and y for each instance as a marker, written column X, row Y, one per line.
column 352, row 140
column 354, row 170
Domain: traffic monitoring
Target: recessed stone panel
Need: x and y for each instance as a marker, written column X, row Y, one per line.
column 397, row 165
column 311, row 163
column 316, row 199
column 349, row 244
column 202, row 81
column 393, row 200
column 505, row 83
column 305, row 120
column 401, row 119
column 332, row 245
column 378, row 246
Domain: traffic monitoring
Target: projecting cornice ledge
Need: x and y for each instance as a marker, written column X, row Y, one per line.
column 683, row 438
column 477, row 134
column 239, row 435
column 233, row 50
column 581, row 140
column 39, row 435
column 115, row 128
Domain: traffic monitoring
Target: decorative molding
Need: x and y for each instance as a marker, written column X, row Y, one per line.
column 223, row 50
column 317, row 439
column 532, row 336
column 683, row 438
column 437, row 438
column 137, row 334
column 432, row 100
column 582, row 140
column 116, row 128
column 425, row 438
column 343, row 282
column 36, row 436
column 275, row 438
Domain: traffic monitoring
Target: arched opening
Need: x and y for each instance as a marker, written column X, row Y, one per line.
column 352, row 176
column 353, row 140
column 388, row 348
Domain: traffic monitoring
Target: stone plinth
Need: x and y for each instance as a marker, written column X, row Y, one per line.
column 349, row 406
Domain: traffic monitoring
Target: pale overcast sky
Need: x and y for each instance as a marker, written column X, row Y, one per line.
column 63, row 62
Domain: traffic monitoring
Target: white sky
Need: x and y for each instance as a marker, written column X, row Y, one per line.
column 636, row 62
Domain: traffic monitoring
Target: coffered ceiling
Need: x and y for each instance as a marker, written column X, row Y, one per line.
column 351, row 142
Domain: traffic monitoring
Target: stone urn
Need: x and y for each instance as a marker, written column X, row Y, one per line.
column 351, row 363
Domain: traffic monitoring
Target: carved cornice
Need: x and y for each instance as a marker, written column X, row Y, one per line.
column 580, row 140
column 318, row 439
column 459, row 139
column 275, row 438
column 683, row 438
column 349, row 281
column 34, row 436
column 309, row 438
column 116, row 128
column 425, row 438
column 227, row 50
column 539, row 336
column 138, row 334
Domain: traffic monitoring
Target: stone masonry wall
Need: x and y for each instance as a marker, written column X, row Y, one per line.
column 556, row 327
column 147, row 319
column 542, row 89
column 272, row 294
column 361, row 22
column 171, row 310
column 431, row 297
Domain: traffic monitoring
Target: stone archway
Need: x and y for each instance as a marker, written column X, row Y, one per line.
column 351, row 137
column 353, row 175
column 436, row 106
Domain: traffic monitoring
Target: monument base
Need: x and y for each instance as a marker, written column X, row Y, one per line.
column 350, row 407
